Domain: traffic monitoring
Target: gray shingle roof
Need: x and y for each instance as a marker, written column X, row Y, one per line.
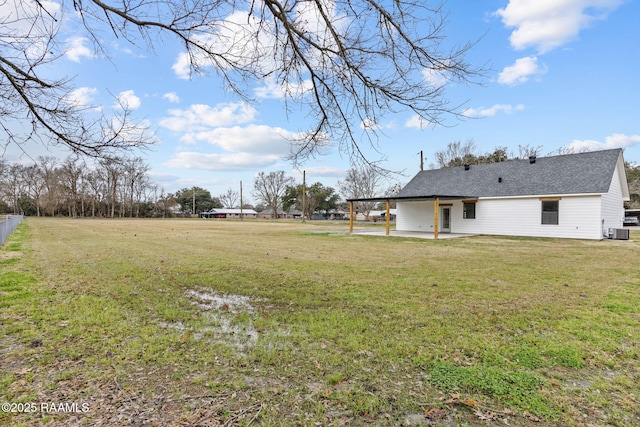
column 567, row 174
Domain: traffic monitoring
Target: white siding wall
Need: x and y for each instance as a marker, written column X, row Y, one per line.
column 613, row 204
column 414, row 216
column 579, row 217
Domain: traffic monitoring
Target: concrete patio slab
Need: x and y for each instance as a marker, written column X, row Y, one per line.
column 413, row 234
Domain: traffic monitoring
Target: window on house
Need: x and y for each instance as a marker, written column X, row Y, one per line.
column 468, row 210
column 550, row 211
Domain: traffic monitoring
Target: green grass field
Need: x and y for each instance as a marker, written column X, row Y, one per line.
column 208, row 323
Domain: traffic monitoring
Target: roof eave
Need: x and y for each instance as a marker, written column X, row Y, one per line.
column 408, row 198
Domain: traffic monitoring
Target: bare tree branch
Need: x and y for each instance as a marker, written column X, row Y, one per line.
column 346, row 63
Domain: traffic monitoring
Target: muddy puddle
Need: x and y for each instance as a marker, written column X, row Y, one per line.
column 208, row 300
column 224, row 319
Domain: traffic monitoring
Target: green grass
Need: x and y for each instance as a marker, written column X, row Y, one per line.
column 516, row 389
column 280, row 323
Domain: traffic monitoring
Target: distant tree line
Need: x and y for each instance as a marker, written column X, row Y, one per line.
column 118, row 187
column 275, row 191
column 459, row 153
column 318, row 199
column 122, row 187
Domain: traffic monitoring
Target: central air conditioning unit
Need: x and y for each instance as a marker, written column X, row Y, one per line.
column 619, row 234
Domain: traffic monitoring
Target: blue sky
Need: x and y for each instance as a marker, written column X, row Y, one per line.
column 561, row 73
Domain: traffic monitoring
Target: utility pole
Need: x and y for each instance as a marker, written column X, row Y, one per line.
column 194, row 201
column 241, row 215
column 304, row 193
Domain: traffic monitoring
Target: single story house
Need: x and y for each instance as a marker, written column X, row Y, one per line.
column 577, row 196
column 229, row 213
column 291, row 214
column 331, row 215
column 376, row 215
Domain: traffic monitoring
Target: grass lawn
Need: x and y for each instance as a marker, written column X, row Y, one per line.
column 209, row 323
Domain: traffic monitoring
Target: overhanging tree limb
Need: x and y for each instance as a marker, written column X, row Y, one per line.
column 347, row 63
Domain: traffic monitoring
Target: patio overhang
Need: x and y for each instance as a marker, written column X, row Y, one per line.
column 436, row 207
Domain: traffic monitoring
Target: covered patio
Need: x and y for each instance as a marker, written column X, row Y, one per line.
column 435, row 234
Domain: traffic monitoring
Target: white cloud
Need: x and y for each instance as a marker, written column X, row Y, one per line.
column 249, row 42
column 182, row 66
column 235, row 38
column 492, row 111
column 255, row 139
column 521, row 71
column 78, row 50
column 127, row 132
column 26, row 30
column 243, row 148
column 120, row 48
column 222, row 162
column 172, row 97
column 325, row 171
column 238, row 145
column 202, row 117
column 310, row 19
column 417, row 122
column 82, row 97
column 617, row 140
column 370, row 124
column 128, row 100
column 126, row 49
column 434, row 78
column 547, row 24
column 273, row 90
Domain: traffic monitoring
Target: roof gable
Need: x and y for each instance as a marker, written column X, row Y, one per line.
column 582, row 173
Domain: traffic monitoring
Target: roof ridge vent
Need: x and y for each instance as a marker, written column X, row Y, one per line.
column 532, row 159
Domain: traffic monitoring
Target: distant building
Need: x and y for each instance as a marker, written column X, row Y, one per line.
column 229, row 213
column 377, row 215
column 291, row 214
